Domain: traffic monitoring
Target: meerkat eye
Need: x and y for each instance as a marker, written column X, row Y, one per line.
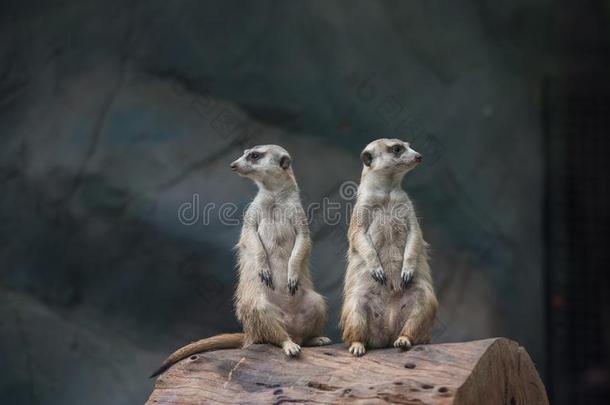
column 254, row 156
column 397, row 149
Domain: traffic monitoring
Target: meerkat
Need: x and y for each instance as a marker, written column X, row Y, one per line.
column 388, row 294
column 275, row 300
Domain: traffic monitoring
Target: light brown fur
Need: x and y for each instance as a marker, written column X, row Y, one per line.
column 275, row 300
column 388, row 293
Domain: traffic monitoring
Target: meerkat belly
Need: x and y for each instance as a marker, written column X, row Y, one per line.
column 389, row 234
column 386, row 316
column 299, row 313
column 378, row 327
column 278, row 237
column 385, row 310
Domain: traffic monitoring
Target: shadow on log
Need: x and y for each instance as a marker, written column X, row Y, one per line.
column 491, row 371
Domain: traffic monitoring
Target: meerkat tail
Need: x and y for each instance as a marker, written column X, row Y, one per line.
column 218, row 342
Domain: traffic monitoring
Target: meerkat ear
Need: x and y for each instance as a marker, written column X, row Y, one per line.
column 366, row 157
column 285, row 162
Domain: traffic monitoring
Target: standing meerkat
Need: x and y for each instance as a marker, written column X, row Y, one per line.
column 275, row 300
column 388, row 293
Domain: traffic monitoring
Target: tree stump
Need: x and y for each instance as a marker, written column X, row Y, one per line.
column 488, row 372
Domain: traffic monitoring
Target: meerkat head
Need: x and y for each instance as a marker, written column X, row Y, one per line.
column 390, row 156
column 267, row 164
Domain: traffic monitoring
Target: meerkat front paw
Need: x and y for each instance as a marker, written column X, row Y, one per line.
column 291, row 349
column 379, row 276
column 403, row 343
column 406, row 276
column 357, row 349
column 265, row 276
column 293, row 286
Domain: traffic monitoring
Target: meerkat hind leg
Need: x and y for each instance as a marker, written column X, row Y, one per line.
column 263, row 323
column 418, row 325
column 354, row 325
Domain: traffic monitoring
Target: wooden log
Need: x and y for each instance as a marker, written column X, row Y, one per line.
column 488, row 372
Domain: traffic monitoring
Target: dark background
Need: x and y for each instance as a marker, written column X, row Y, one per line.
column 113, row 115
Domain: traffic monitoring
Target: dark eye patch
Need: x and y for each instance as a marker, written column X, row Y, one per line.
column 254, row 156
column 396, row 149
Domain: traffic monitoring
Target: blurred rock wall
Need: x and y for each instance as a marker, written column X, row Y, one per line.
column 113, row 116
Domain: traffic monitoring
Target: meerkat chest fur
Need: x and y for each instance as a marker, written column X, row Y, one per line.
column 388, row 228
column 389, row 225
column 276, row 229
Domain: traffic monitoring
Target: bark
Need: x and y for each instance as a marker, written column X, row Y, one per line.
column 491, row 371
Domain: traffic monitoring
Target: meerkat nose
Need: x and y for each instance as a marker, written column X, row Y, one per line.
column 233, row 166
column 418, row 158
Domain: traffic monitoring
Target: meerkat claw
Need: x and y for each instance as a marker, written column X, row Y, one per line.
column 379, row 276
column 291, row 349
column 357, row 349
column 266, row 278
column 293, row 286
column 405, row 279
column 403, row 343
